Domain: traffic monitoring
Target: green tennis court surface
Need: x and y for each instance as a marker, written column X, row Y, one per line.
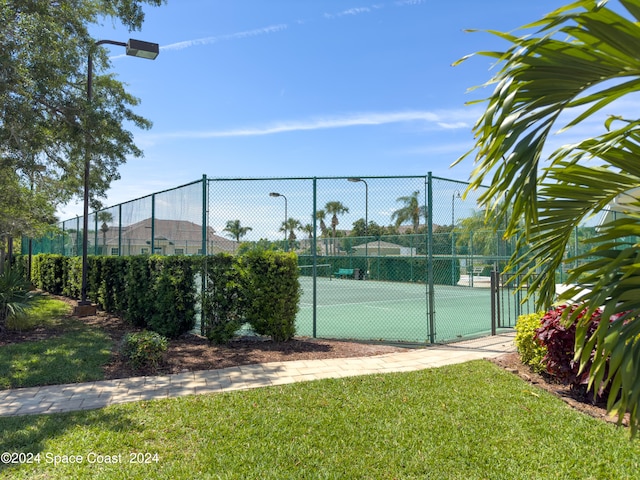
column 393, row 311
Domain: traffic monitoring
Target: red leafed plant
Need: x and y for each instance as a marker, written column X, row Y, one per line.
column 560, row 343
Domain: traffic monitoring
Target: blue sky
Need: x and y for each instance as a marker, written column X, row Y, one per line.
column 301, row 88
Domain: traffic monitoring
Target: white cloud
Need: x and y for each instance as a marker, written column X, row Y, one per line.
column 353, row 11
column 233, row 36
column 448, row 120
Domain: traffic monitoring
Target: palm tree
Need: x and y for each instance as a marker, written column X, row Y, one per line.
column 235, row 230
column 290, row 226
column 321, row 215
column 334, row 209
column 308, row 229
column 105, row 217
column 582, row 58
column 411, row 211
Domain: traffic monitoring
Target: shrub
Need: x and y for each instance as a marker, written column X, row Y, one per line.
column 174, row 292
column 15, row 295
column 138, row 292
column 560, row 343
column 143, row 349
column 272, row 292
column 531, row 352
column 223, row 305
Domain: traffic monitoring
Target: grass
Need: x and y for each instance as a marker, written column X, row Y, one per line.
column 76, row 354
column 468, row 421
column 45, row 312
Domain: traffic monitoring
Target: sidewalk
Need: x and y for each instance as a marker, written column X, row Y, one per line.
column 92, row 395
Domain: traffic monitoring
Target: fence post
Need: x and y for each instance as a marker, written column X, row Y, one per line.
column 430, row 292
column 95, row 235
column 153, row 224
column 204, row 215
column 120, row 230
column 314, row 255
column 494, row 294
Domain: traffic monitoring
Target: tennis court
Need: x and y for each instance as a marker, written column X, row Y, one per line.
column 391, row 311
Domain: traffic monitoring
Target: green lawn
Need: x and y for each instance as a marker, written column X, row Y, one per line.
column 76, row 354
column 468, row 421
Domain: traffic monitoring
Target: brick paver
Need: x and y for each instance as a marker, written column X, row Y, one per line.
column 92, row 395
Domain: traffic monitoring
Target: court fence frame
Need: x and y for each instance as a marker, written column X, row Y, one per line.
column 188, row 219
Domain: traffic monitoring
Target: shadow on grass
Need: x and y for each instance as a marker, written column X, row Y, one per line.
column 30, row 434
column 75, row 356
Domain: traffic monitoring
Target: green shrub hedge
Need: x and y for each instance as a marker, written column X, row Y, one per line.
column 174, row 295
column 224, row 302
column 160, row 293
column 272, row 293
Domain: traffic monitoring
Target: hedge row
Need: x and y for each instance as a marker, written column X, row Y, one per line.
column 259, row 287
column 161, row 292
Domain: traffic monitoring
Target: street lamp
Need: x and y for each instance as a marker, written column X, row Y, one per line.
column 134, row 48
column 276, row 194
column 366, row 202
column 456, row 194
column 366, row 214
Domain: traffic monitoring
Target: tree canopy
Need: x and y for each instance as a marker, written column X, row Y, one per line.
column 45, row 118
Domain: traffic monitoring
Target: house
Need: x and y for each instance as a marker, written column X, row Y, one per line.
column 380, row 248
column 171, row 237
column 625, row 202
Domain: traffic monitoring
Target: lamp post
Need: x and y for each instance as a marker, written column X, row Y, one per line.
column 134, row 48
column 456, row 194
column 276, row 194
column 366, row 215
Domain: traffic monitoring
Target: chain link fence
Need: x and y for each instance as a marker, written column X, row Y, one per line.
column 405, row 258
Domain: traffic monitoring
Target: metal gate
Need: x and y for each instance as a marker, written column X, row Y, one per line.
column 509, row 300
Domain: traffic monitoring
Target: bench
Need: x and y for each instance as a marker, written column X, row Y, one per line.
column 344, row 272
column 477, row 270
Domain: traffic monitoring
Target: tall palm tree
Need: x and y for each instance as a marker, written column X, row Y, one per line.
column 236, row 230
column 321, row 215
column 581, row 59
column 411, row 211
column 105, row 217
column 308, row 229
column 334, row 209
column 289, row 227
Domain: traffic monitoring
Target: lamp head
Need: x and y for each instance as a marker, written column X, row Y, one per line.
column 142, row 49
column 274, row 194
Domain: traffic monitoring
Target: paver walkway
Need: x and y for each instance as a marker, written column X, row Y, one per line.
column 87, row 396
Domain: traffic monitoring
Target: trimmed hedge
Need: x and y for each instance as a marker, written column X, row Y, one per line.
column 174, row 292
column 272, row 293
column 160, row 293
column 224, row 302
